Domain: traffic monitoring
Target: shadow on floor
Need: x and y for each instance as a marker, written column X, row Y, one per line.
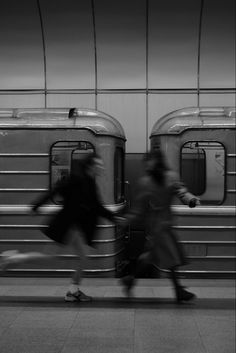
column 113, row 303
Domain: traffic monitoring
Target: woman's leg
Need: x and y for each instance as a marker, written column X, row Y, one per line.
column 78, row 246
column 180, row 293
column 143, row 262
column 74, row 293
column 175, row 280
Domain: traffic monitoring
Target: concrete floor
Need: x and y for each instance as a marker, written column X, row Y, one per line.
column 35, row 319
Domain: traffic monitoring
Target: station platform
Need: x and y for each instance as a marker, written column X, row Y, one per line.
column 34, row 318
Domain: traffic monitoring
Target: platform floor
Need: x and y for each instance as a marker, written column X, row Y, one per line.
column 35, row 319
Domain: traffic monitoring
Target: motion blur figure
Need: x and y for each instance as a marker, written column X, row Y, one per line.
column 156, row 190
column 75, row 224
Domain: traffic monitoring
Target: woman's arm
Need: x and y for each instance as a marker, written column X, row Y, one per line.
column 182, row 192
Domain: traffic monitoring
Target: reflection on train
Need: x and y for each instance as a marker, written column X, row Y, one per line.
column 200, row 146
column 38, row 148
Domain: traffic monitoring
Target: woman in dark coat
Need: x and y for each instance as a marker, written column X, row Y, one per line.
column 81, row 203
column 81, row 208
column 156, row 191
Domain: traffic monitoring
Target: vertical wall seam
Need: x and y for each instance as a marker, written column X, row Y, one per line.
column 95, row 54
column 44, row 53
column 199, row 52
column 147, row 82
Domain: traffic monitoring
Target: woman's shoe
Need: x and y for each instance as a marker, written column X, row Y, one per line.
column 182, row 295
column 77, row 296
column 128, row 283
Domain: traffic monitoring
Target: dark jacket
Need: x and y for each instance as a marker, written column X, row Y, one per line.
column 81, row 207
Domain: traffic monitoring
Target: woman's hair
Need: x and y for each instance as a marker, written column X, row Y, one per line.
column 156, row 165
column 85, row 163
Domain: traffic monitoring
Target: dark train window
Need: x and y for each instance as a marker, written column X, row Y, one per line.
column 193, row 168
column 203, row 170
column 65, row 156
column 119, row 175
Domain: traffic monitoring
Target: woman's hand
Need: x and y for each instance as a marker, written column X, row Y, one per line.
column 194, row 202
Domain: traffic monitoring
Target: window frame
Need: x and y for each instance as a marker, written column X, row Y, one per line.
column 116, row 164
column 181, row 169
column 207, row 202
column 51, row 184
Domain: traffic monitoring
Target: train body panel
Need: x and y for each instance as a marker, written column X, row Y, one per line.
column 39, row 147
column 200, row 146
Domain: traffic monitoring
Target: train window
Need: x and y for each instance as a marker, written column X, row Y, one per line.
column 119, row 175
column 65, row 156
column 193, row 168
column 202, row 169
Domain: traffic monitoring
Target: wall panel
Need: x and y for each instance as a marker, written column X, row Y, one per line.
column 161, row 104
column 126, row 36
column 22, row 101
column 217, row 100
column 217, row 69
column 121, row 43
column 129, row 110
column 68, row 29
column 21, row 53
column 71, row 100
column 173, row 43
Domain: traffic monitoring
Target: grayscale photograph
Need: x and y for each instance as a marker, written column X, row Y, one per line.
column 117, row 176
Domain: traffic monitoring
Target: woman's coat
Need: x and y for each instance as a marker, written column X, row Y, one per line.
column 153, row 206
column 81, row 208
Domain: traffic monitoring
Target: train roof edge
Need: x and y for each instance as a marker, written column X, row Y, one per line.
column 195, row 118
column 96, row 121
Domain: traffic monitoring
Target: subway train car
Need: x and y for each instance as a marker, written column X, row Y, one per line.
column 200, row 145
column 39, row 147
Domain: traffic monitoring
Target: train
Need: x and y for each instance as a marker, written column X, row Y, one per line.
column 199, row 144
column 40, row 147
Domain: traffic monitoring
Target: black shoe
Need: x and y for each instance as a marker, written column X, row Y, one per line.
column 128, row 283
column 184, row 296
column 77, row 296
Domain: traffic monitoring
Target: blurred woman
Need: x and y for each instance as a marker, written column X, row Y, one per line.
column 75, row 224
column 155, row 194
